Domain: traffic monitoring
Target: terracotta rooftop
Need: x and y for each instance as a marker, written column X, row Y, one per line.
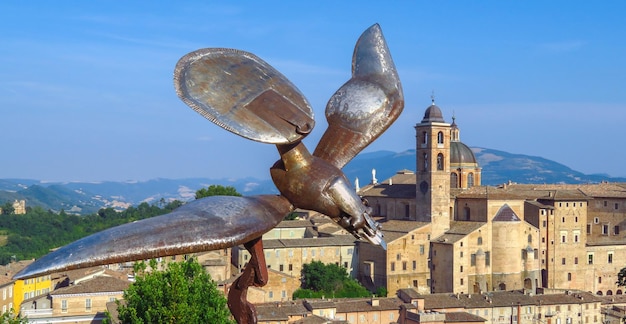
column 339, row 240
column 279, row 311
column 95, row 285
column 400, row 185
column 505, row 299
column 506, row 214
column 8, row 271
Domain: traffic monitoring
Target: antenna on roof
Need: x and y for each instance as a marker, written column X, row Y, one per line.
column 432, row 97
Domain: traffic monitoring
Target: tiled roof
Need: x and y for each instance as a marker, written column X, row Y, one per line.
column 452, row 317
column 401, row 185
column 95, row 285
column 504, row 299
column 279, row 311
column 294, row 224
column 8, row 271
column 339, row 240
column 506, row 214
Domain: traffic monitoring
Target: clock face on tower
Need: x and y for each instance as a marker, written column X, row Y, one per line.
column 424, row 187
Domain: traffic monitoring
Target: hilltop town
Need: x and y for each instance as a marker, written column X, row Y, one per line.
column 457, row 251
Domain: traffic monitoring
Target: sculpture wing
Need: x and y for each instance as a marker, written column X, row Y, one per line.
column 243, row 94
column 206, row 224
column 365, row 106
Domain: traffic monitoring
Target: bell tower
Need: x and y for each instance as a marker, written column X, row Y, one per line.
column 433, row 170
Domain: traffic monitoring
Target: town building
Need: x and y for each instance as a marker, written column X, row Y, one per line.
column 495, row 238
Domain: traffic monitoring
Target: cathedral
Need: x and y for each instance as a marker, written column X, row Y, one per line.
column 448, row 233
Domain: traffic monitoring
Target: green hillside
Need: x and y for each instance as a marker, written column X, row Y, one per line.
column 35, row 233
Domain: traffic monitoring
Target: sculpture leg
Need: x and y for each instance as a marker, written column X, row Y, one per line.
column 254, row 274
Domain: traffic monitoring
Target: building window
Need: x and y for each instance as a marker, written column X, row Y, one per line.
column 610, row 257
column 588, row 229
column 530, row 238
column 616, row 230
column 487, row 258
column 576, row 260
column 461, row 269
column 480, row 240
column 439, row 161
column 440, row 138
column 414, row 283
column 404, row 265
column 421, row 249
column 454, row 180
column 616, row 206
column 605, row 229
column 461, row 254
column 425, row 162
column 461, row 281
column 414, row 265
column 64, row 306
column 563, row 261
column 470, row 180
column 544, row 223
column 569, row 276
column 88, row 305
column 393, row 266
column 350, row 251
column 590, row 258
column 271, row 294
column 424, row 139
column 596, row 220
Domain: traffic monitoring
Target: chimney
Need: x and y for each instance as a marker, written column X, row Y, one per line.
column 375, row 302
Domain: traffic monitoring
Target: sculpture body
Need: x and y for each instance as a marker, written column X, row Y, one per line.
column 243, row 94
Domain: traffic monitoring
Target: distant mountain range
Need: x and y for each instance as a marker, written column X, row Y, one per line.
column 88, row 197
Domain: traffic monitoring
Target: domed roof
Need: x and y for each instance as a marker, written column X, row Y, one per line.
column 461, row 153
column 433, row 114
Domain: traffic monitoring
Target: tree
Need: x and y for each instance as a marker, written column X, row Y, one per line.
column 621, row 278
column 182, row 293
column 217, row 190
column 319, row 279
column 10, row 318
column 7, row 209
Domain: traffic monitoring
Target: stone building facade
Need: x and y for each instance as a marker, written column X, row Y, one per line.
column 495, row 238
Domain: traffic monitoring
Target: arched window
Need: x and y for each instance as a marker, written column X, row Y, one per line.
column 599, row 293
column 454, row 180
column 439, row 161
column 618, row 292
column 480, row 239
column 425, row 162
column 609, row 292
column 466, row 215
column 502, row 286
column 440, row 138
column 424, row 138
column 470, row 180
column 530, row 238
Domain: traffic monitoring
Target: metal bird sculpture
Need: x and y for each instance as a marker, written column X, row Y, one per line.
column 244, row 95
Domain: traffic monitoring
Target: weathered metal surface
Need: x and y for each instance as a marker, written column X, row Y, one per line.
column 365, row 106
column 205, row 224
column 243, row 94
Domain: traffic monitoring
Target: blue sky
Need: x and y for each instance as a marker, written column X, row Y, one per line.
column 86, row 91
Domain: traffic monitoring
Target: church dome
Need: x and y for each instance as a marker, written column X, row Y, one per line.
column 461, row 154
column 433, row 114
